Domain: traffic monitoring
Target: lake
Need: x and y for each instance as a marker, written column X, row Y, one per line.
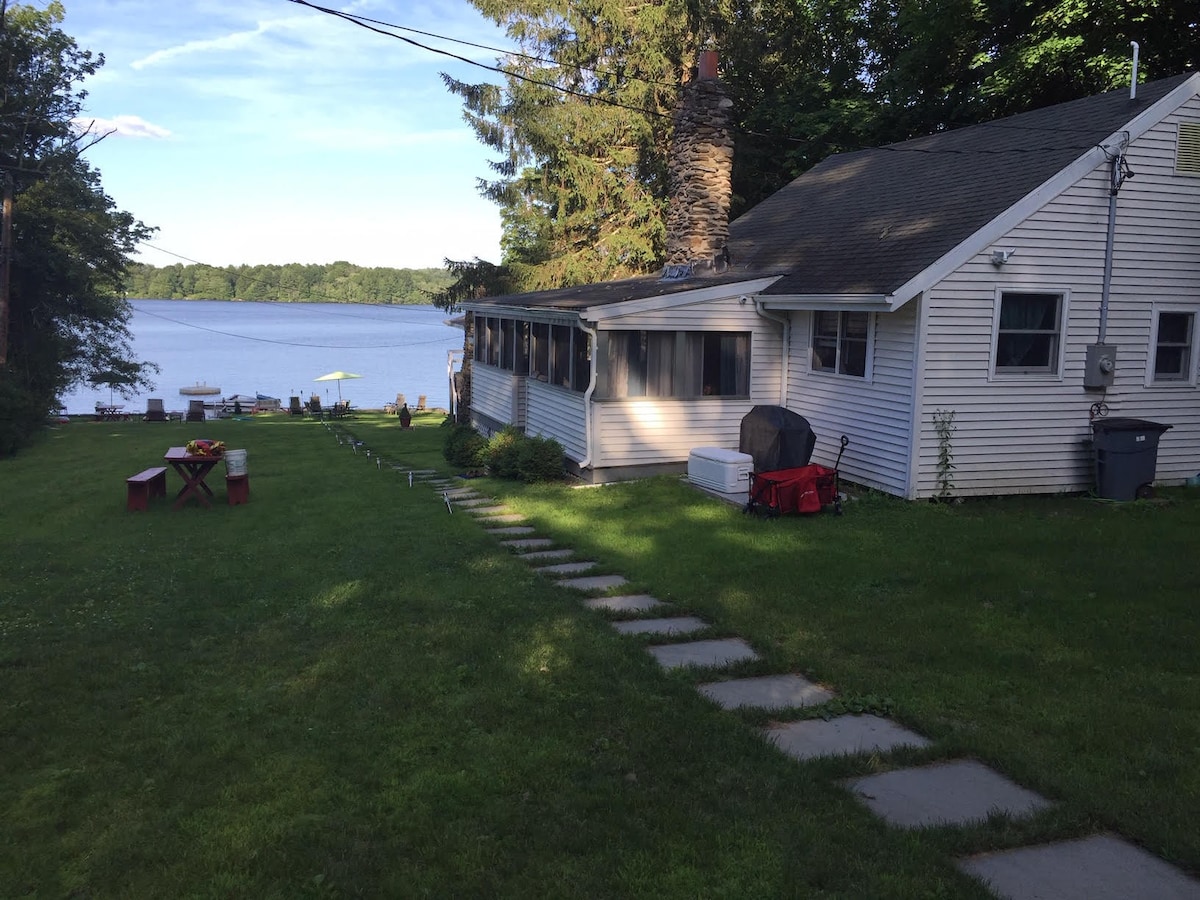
column 278, row 349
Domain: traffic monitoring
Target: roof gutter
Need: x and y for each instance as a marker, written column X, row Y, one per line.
column 785, row 322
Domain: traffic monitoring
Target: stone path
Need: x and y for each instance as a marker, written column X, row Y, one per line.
column 946, row 793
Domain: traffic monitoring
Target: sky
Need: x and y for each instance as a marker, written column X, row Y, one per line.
column 261, row 131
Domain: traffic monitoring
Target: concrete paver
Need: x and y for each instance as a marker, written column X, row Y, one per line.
column 512, row 529
column 564, row 553
column 488, row 510
column 674, row 625
column 570, row 568
column 626, row 603
column 527, row 543
column 844, row 734
column 944, row 793
column 461, row 492
column 702, row 653
column 1101, row 867
column 472, row 502
column 767, row 692
column 593, row 582
column 506, row 518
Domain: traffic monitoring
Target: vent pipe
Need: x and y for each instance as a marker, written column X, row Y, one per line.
column 1133, row 80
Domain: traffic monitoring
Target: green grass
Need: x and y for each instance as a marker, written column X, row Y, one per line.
column 339, row 690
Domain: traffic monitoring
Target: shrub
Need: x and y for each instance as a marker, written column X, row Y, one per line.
column 464, row 446
column 539, row 459
column 502, row 453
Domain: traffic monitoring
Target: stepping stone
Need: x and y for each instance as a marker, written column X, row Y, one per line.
column 490, row 520
column 472, row 502
column 702, row 653
column 571, row 568
column 767, row 692
column 845, row 734
column 461, row 493
column 1102, row 867
column 549, row 554
column 593, row 582
column 512, row 529
column 945, row 793
column 527, row 543
column 489, row 510
column 627, row 603
column 676, row 625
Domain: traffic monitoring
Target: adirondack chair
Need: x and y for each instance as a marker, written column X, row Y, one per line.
column 294, row 407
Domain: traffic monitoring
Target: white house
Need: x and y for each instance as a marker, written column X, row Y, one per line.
column 989, row 271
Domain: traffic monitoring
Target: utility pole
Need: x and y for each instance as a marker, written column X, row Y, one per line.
column 5, row 265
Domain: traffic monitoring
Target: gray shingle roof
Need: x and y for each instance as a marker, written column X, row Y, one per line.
column 867, row 222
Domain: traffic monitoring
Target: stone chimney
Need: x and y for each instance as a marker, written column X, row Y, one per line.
column 700, row 172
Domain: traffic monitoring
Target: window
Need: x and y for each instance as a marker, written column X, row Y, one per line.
column 839, row 342
column 677, row 364
column 1173, row 343
column 1029, row 333
column 539, row 366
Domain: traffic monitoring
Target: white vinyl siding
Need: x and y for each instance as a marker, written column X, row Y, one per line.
column 1018, row 437
column 875, row 415
column 495, row 394
column 557, row 412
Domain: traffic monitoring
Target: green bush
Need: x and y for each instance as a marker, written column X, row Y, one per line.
column 464, row 447
column 539, row 459
column 503, row 451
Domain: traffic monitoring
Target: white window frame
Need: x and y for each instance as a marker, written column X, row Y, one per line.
column 999, row 373
column 1189, row 380
column 868, row 368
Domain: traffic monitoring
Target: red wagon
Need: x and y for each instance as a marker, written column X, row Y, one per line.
column 804, row 489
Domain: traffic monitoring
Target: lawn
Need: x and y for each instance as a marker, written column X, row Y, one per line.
column 341, row 690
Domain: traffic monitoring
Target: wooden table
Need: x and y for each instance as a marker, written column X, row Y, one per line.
column 110, row 413
column 193, row 470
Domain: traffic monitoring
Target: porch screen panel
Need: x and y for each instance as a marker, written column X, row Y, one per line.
column 480, row 338
column 539, row 367
column 560, row 355
column 581, row 364
column 508, row 341
column 521, row 333
column 493, row 345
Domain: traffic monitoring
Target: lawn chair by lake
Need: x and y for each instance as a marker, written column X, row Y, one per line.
column 294, row 407
column 155, row 411
column 195, row 411
column 421, row 403
column 314, row 406
column 393, row 409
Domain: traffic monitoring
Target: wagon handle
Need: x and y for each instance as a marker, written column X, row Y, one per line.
column 845, row 441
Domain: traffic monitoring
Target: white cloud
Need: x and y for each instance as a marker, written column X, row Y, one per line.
column 234, row 41
column 124, row 126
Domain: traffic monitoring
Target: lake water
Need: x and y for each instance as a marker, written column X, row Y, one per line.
column 278, row 349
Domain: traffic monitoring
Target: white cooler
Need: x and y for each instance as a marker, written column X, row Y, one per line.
column 717, row 469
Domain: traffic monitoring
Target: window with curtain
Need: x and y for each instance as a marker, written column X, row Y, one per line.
column 1030, row 333
column 677, row 364
column 1174, row 336
column 839, row 342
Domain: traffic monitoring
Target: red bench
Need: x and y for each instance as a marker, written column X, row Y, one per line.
column 145, row 485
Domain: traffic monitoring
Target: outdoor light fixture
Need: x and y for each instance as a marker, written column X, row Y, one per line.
column 1000, row 257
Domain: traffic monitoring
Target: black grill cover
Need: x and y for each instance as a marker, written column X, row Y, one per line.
column 777, row 438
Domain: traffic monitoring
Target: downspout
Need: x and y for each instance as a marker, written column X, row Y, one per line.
column 785, row 321
column 587, row 397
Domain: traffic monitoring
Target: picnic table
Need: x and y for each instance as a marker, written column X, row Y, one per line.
column 193, row 470
column 110, row 413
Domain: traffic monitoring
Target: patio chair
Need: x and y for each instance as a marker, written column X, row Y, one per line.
column 195, row 412
column 421, row 403
column 294, row 407
column 155, row 411
column 314, row 406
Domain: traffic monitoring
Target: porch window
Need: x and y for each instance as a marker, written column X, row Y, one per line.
column 679, row 364
column 1029, row 333
column 839, row 342
column 539, row 366
column 1174, row 341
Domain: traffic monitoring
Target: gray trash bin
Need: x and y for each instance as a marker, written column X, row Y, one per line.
column 1126, row 457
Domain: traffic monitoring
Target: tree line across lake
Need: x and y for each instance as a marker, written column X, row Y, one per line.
column 339, row 282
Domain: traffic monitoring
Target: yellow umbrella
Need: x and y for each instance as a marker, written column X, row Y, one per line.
column 337, row 376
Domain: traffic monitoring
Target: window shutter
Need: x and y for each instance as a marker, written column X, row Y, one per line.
column 1187, row 150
